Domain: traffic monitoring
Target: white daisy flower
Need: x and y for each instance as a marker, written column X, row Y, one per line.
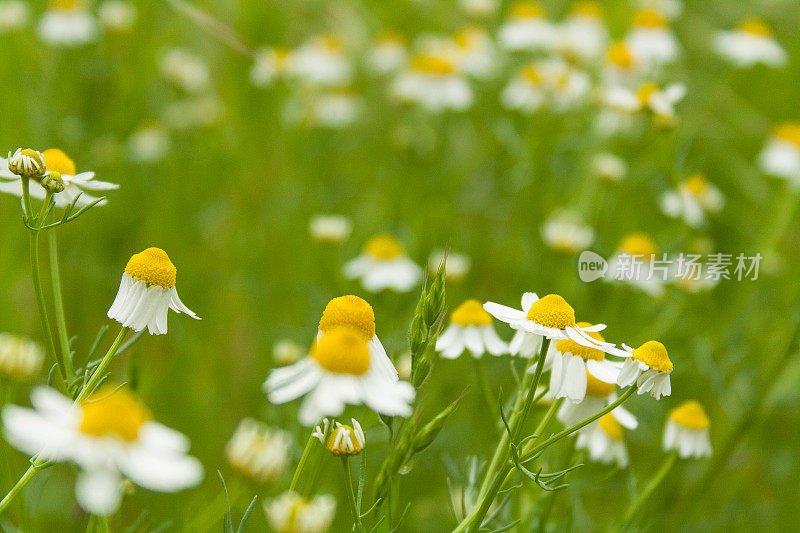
column 567, row 86
column 604, row 441
column 348, row 365
column 330, row 228
column 14, row 15
column 117, row 15
column 433, row 82
column 343, row 440
column 567, row 362
column 692, row 200
column 750, row 44
column 334, row 108
column 148, row 144
column 649, row 96
column 621, row 66
column 564, row 232
column 608, row 166
column 196, row 111
column 583, row 35
column 20, row 358
column 322, row 62
column 110, row 436
column 671, row 9
column 527, row 28
column 75, row 184
column 651, row 39
column 259, row 451
column 147, row 291
column 780, row 156
column 525, row 92
column 384, row 265
column 185, row 69
column 270, row 64
column 599, row 395
column 291, row 512
column 550, row 316
column 455, row 269
column 67, row 23
column 648, row 366
column 388, row 53
column 479, row 8
column 470, row 329
column 475, row 52
column 687, row 432
column 632, row 263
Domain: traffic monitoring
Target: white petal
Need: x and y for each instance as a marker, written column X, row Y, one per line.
column 99, row 491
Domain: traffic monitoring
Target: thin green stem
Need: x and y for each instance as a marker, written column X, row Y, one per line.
column 303, row 459
column 58, row 302
column 37, row 286
column 548, row 416
column 351, row 496
column 102, row 524
column 655, row 481
column 89, row 386
column 36, row 464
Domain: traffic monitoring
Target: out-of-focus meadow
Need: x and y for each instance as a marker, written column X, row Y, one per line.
column 233, row 178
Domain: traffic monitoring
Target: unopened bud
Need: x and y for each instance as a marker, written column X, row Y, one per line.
column 431, row 430
column 52, row 182
column 346, row 440
column 27, row 162
column 421, row 371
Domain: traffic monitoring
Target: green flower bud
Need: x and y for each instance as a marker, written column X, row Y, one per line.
column 52, row 182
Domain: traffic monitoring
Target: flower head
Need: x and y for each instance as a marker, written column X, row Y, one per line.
column 292, row 513
column 649, row 366
column 342, row 440
column 27, row 162
column 687, row 431
column 67, row 23
column 20, row 358
column 258, row 451
column 330, row 228
column 384, row 265
column 750, row 44
column 471, row 329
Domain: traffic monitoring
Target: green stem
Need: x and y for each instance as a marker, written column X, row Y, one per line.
column 655, row 481
column 102, row 524
column 37, row 286
column 548, row 417
column 58, row 302
column 351, row 497
column 488, row 397
column 303, row 459
column 89, row 386
column 36, row 463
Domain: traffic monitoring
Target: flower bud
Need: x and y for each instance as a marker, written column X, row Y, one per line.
column 27, row 162
column 346, row 440
column 52, row 182
column 431, row 430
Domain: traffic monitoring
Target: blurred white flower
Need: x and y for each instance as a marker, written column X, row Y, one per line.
column 75, row 184
column 110, row 436
column 148, row 144
column 117, row 15
column 67, row 23
column 649, row 96
column 185, row 69
column 631, row 264
column 583, row 35
column 147, row 292
column 287, row 352
column 564, row 232
column 671, row 9
column 434, row 83
column 333, row 108
column 692, row 200
column 567, row 86
column 599, row 395
column 269, row 64
column 14, row 15
column 388, row 53
column 621, row 66
column 20, row 358
column 686, row 431
column 525, row 92
column 384, row 265
column 651, row 39
column 527, row 28
column 293, row 513
column 456, row 268
column 470, row 329
column 780, row 156
column 474, row 52
column 330, row 228
column 479, row 8
column 608, row 166
column 604, row 441
column 258, row 451
column 194, row 112
column 750, row 44
column 403, row 365
column 322, row 61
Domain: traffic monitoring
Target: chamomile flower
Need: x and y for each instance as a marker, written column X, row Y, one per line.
column 342, row 440
column 111, row 436
column 148, row 144
column 24, row 162
column 14, row 15
column 568, row 360
column 550, row 316
column 599, row 394
column 692, row 200
column 780, row 156
column 647, row 97
column 348, row 365
column 67, row 23
column 648, row 366
column 632, row 263
column 479, row 8
column 20, row 358
column 330, row 228
column 388, row 53
column 270, row 64
column 322, row 62
column 185, row 69
column 75, row 183
column 259, row 451
column 567, row 86
column 583, row 35
column 384, row 265
column 525, row 92
column 604, row 441
column 333, row 108
column 474, row 52
column 527, row 28
column 564, row 232
column 292, row 513
column 750, row 44
column 610, row 167
column 117, row 15
column 621, row 66
column 434, row 83
column 651, row 39
column 671, row 9
column 147, row 292
column 470, row 329
column 455, row 269
column 687, row 432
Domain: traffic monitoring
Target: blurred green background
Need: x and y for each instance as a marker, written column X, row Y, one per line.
column 231, row 201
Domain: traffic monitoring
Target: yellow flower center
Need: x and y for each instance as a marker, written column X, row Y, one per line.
column 646, row 91
column 153, row 267
column 569, row 345
column 113, row 411
column 654, row 355
column 57, row 161
column 789, row 132
column 587, row 9
column 333, row 43
column 610, row 425
column 552, row 311
column 696, row 184
column 649, row 19
column 282, row 56
column 638, row 244
column 343, row 350
column 471, row 313
column 431, row 64
column 690, row 415
column 348, row 445
column 350, row 311
column 620, row 55
column 531, row 75
column 597, row 388
column 755, row 27
column 66, row 5
column 527, row 10
column 384, row 247
column 467, row 38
